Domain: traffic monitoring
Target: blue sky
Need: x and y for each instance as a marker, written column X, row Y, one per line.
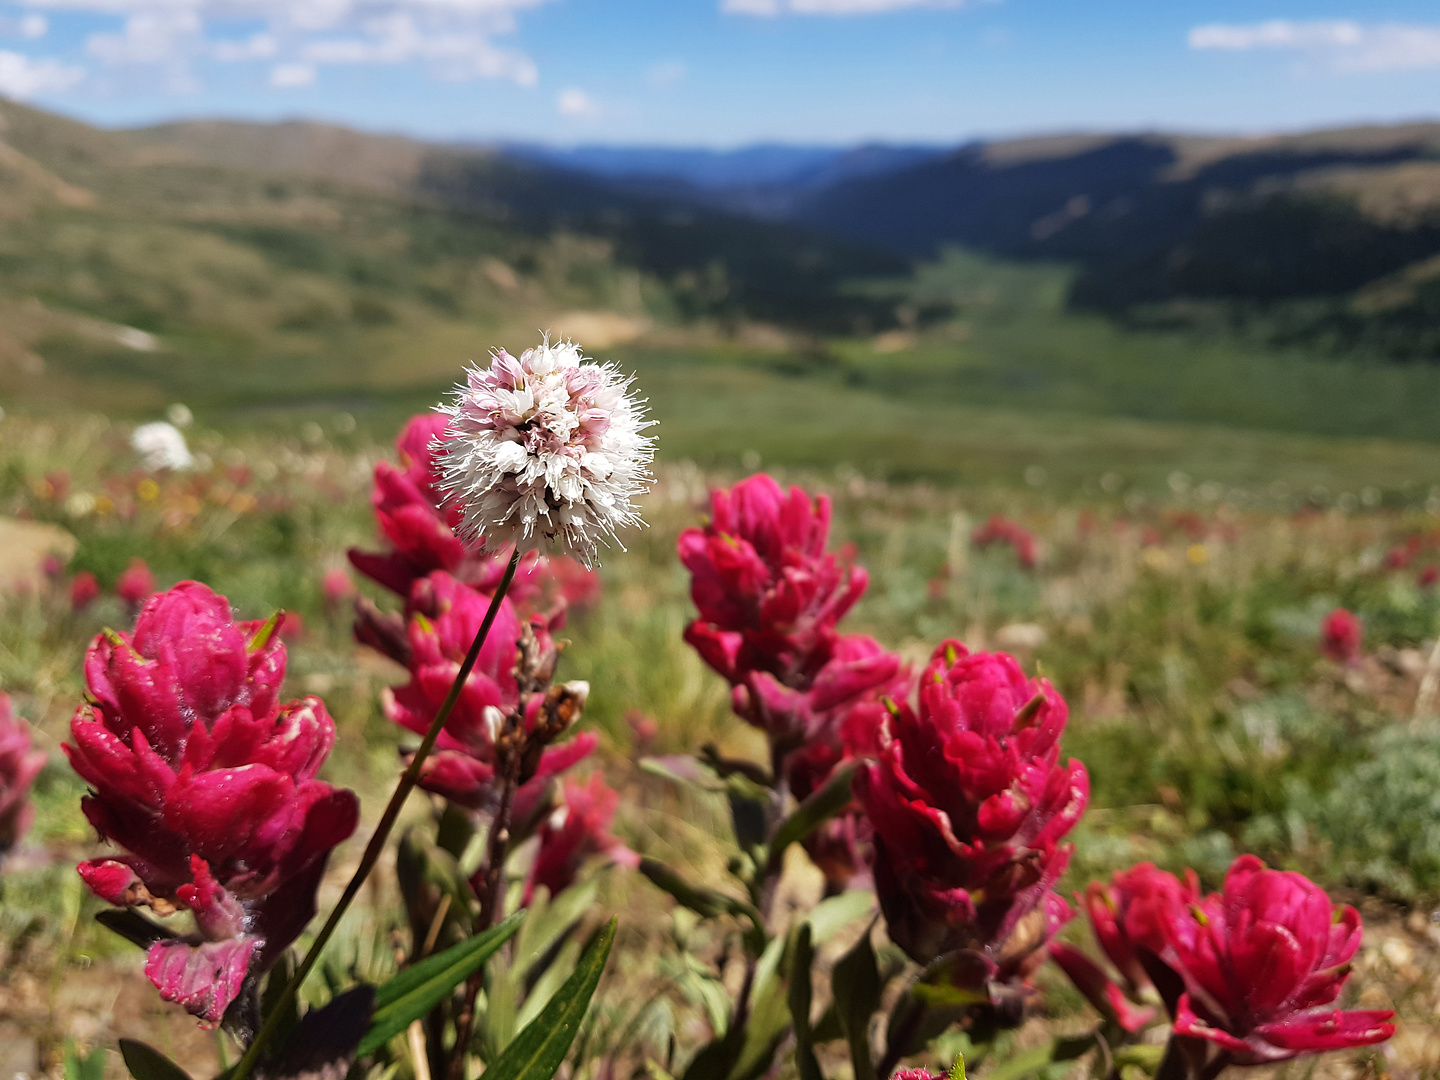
column 729, row 72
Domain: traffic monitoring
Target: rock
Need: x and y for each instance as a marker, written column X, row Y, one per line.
column 19, row 1054
column 1020, row 637
column 23, row 548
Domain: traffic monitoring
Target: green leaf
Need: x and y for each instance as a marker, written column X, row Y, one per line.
column 692, row 772
column 715, row 1061
column 147, row 1063
column 275, row 984
column 768, row 1020
column 538, row 1051
column 502, row 1006
column 90, row 1066
column 326, row 1040
column 829, row 917
column 543, row 989
column 133, row 927
column 1037, row 1059
column 957, row 1071
column 798, row 998
column 417, row 990
column 812, row 813
column 551, row 919
column 857, row 986
column 707, row 903
column 684, row 770
column 265, row 633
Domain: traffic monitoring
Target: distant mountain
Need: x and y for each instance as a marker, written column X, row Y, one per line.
column 713, row 261
column 1324, row 237
column 1348, row 218
column 720, row 173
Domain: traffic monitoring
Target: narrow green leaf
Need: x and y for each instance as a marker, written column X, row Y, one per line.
column 538, row 1051
column 707, row 903
column 715, row 1061
column 275, row 983
column 265, row 633
column 502, row 1006
column 542, row 989
column 768, row 1021
column 685, row 770
column 147, row 1063
column 416, row 990
column 957, row 1071
column 551, row 919
column 812, row 813
column 1023, row 1064
column 856, row 981
column 133, row 927
column 703, row 776
column 801, row 957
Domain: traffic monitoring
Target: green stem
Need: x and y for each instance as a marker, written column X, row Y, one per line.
column 407, row 783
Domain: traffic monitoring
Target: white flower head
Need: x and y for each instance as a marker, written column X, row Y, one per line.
column 546, row 452
column 161, row 446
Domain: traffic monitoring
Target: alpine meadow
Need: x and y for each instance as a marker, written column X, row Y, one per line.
column 800, row 613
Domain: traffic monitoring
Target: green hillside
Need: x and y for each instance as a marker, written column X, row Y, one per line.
column 138, row 269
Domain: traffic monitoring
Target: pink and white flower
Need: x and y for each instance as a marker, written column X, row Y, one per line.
column 546, row 452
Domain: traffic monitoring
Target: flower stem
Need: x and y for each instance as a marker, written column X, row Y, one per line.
column 378, row 838
column 490, row 900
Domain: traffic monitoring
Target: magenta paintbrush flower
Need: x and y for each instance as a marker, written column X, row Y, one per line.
column 1263, row 962
column 444, row 615
column 578, row 830
column 769, row 593
column 1001, row 530
column 208, row 785
column 1130, row 918
column 20, row 763
column 407, row 509
column 136, row 584
column 1342, row 636
column 423, row 538
column 770, row 597
column 969, row 801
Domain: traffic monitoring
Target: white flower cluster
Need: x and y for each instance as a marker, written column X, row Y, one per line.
column 546, row 452
column 161, row 446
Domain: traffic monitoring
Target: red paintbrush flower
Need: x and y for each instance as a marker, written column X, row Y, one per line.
column 20, row 763
column 969, row 801
column 209, row 787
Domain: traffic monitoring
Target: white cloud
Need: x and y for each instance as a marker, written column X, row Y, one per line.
column 772, row 8
column 1342, row 44
column 451, row 39
column 148, row 37
column 399, row 38
column 27, row 26
column 289, row 75
column 575, row 102
column 255, row 47
column 24, row 77
column 666, row 73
